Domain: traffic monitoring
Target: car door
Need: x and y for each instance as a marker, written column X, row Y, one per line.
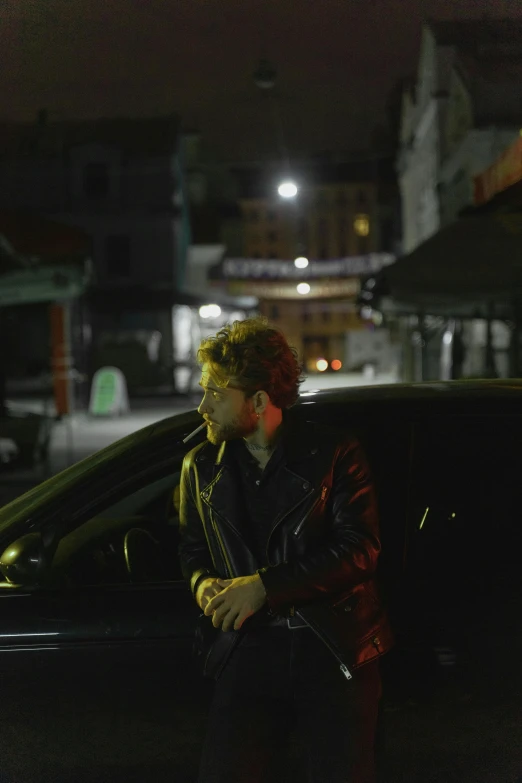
column 460, row 629
column 97, row 677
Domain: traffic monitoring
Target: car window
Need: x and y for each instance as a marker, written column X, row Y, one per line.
column 464, row 550
column 132, row 539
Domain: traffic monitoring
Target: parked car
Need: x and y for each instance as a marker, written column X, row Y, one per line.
column 97, row 678
column 24, row 439
column 8, row 450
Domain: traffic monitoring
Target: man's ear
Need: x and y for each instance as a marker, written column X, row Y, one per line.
column 261, row 401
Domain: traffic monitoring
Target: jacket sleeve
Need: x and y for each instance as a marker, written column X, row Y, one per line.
column 194, row 551
column 348, row 554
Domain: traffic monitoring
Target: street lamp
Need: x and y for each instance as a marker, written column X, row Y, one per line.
column 301, row 262
column 210, row 311
column 287, row 189
column 303, row 289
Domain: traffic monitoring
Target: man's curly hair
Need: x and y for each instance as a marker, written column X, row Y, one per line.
column 253, row 356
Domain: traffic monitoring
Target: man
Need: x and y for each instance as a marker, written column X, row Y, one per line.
column 279, row 542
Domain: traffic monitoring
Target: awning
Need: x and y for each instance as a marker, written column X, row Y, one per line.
column 478, row 258
column 49, row 283
column 32, row 235
column 40, row 260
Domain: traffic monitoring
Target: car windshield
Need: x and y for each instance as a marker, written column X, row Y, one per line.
column 80, row 471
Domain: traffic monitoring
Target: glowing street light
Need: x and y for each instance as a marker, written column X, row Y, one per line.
column 301, row 262
column 287, row 189
column 210, row 311
column 321, row 365
column 303, row 288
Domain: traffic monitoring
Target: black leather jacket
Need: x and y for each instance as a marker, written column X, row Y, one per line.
column 323, row 547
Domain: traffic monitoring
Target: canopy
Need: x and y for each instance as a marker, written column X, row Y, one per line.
column 31, row 235
column 477, row 258
column 41, row 260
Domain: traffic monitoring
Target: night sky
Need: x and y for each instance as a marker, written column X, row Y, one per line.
column 337, row 61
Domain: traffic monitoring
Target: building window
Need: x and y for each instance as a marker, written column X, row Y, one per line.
column 342, row 230
column 274, row 312
column 306, row 314
column 322, row 238
column 326, row 313
column 118, row 256
column 272, row 236
column 362, row 246
column 361, row 225
column 96, row 180
column 273, row 255
column 322, row 199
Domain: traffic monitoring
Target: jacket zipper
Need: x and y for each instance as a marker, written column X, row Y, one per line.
column 342, row 666
column 320, row 499
column 215, row 528
column 228, row 564
column 278, row 521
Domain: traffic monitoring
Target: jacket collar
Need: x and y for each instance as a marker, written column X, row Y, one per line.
column 222, row 493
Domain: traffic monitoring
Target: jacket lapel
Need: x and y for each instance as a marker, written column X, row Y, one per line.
column 223, row 493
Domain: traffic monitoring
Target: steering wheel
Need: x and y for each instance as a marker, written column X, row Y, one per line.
column 142, row 556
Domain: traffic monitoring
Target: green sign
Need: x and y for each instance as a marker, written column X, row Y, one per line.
column 108, row 393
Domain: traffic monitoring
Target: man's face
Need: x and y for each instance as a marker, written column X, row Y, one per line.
column 230, row 415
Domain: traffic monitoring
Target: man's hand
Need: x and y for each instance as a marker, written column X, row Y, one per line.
column 206, row 590
column 239, row 599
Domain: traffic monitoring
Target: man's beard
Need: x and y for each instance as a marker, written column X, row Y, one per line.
column 243, row 425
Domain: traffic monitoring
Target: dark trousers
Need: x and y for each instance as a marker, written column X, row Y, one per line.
column 283, row 688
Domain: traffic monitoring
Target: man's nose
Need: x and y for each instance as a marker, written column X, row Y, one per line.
column 203, row 406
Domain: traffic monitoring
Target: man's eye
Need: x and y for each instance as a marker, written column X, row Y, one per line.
column 216, row 396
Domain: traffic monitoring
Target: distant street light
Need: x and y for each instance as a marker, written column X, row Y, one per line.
column 287, row 190
column 301, row 262
column 303, row 288
column 210, row 311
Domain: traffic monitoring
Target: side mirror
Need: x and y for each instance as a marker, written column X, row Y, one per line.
column 24, row 561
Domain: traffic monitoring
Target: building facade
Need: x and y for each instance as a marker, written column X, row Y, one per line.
column 339, row 227
column 482, row 120
column 463, row 110
column 316, row 306
column 324, row 222
column 121, row 181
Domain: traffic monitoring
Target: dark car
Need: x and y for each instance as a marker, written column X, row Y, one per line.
column 98, row 678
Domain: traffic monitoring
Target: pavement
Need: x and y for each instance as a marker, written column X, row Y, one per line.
column 79, row 435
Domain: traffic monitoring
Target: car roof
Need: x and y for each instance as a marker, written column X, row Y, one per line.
column 418, row 391
column 408, row 395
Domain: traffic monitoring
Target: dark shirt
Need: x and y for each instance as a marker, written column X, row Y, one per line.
column 260, row 492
